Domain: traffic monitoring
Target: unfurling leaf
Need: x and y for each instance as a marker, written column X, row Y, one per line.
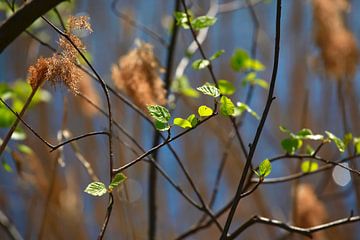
column 159, row 113
column 217, row 54
column 203, row 22
column 338, row 142
column 117, row 180
column 264, row 168
column 200, row 64
column 205, row 111
column 183, row 123
column 227, row 107
column 96, row 189
column 209, row 89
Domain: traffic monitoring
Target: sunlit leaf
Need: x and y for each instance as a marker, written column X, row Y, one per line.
column 290, row 145
column 200, row 64
column 96, row 189
column 210, row 90
column 203, row 22
column 265, row 168
column 205, row 111
column 159, row 113
column 309, row 166
column 217, row 54
column 338, row 142
column 183, row 123
column 117, row 180
column 193, row 120
column 226, row 87
column 227, row 107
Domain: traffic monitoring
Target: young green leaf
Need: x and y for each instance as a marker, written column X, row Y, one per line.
column 217, row 54
column 252, row 79
column 356, row 142
column 347, row 139
column 182, row 20
column 96, row 189
column 203, row 22
column 284, row 129
column 24, row 149
column 205, row 111
column 226, row 87
column 193, row 120
column 306, row 133
column 183, row 123
column 309, row 166
column 162, row 126
column 265, row 168
column 181, row 85
column 253, row 64
column 210, row 90
column 116, row 181
column 291, row 145
column 338, row 142
column 6, row 166
column 238, row 59
column 159, row 113
column 200, row 64
column 241, row 107
column 227, row 107
column 309, row 150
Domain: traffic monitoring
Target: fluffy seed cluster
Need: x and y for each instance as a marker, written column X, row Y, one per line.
column 137, row 74
column 339, row 51
column 310, row 210
column 60, row 67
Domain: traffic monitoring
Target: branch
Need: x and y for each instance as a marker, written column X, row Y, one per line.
column 23, row 18
column 292, row 229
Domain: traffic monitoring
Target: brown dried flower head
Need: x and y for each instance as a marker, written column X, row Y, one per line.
column 137, row 73
column 310, row 210
column 60, row 67
column 339, row 51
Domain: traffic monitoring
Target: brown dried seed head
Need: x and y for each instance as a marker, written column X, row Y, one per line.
column 79, row 22
column 37, row 73
column 339, row 51
column 137, row 73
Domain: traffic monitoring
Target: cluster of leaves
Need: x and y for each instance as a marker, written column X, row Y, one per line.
column 99, row 188
column 197, row 23
column 17, row 94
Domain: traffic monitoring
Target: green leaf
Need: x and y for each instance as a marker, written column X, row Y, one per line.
column 203, row 22
column 181, row 85
column 309, row 150
column 162, row 126
column 96, row 189
column 253, row 64
column 238, row 59
column 205, row 111
column 290, row 145
column 284, row 129
column 338, row 142
column 24, row 149
column 306, row 133
column 6, row 117
column 209, row 89
column 252, row 79
column 182, row 20
column 217, row 54
column 227, row 107
column 357, row 145
column 309, row 166
column 265, row 168
column 200, row 64
column 159, row 113
column 226, row 87
column 183, row 123
column 6, row 166
column 193, row 120
column 116, row 181
column 347, row 139
column 241, row 107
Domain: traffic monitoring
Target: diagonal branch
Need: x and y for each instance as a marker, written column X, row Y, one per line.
column 22, row 19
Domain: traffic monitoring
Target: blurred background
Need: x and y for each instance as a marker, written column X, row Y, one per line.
column 42, row 193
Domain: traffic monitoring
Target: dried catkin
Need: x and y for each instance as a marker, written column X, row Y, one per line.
column 137, row 74
column 61, row 67
column 338, row 47
column 310, row 210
